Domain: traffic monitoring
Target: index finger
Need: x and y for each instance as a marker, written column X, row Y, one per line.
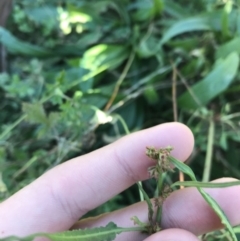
column 55, row 201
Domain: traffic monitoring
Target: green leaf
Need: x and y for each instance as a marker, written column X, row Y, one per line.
column 212, row 85
column 17, row 46
column 43, row 15
column 143, row 10
column 149, row 78
column 199, row 23
column 102, row 57
column 217, row 209
column 206, row 184
column 35, row 113
column 151, row 94
column 228, row 47
column 157, row 7
column 225, row 18
column 183, row 168
column 53, row 118
column 147, row 47
column 175, row 10
column 107, row 233
column 212, row 203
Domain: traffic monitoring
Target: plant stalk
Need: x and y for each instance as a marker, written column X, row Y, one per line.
column 208, row 160
column 120, row 80
column 128, row 132
column 159, row 190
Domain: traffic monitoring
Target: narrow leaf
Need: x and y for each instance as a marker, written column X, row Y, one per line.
column 183, row 168
column 217, row 209
column 175, row 9
column 206, row 184
column 212, row 203
column 107, row 233
column 149, row 203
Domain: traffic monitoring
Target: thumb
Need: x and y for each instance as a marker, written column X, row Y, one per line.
column 172, row 234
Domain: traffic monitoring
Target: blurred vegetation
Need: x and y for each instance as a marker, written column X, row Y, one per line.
column 77, row 73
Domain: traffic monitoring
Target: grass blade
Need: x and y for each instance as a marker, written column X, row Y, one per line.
column 212, row 203
column 149, row 203
column 206, row 184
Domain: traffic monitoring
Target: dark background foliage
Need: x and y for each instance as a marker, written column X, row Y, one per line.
column 76, row 75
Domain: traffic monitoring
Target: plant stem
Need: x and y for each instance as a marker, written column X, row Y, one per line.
column 208, row 160
column 128, row 132
column 52, row 236
column 11, row 127
column 174, row 101
column 140, row 193
column 159, row 215
column 159, row 183
column 159, row 189
column 120, row 80
column 124, row 124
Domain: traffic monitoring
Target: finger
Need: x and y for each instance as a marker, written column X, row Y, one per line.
column 198, row 215
column 58, row 198
column 184, row 209
column 172, row 234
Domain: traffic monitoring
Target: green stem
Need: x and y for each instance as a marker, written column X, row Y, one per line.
column 125, row 127
column 120, row 80
column 159, row 190
column 11, row 127
column 124, row 124
column 20, row 119
column 159, row 183
column 208, row 160
column 53, row 236
column 140, row 193
column 159, row 215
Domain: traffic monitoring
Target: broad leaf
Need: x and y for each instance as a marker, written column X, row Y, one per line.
column 35, row 113
column 102, row 57
column 228, row 47
column 199, row 23
column 212, row 85
column 17, row 46
column 174, row 9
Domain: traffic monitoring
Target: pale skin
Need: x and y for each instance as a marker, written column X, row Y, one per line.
column 57, row 199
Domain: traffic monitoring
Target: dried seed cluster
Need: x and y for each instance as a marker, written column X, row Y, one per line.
column 163, row 164
column 161, row 157
column 158, row 201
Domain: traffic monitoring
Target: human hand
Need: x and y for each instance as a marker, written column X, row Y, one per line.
column 56, row 200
